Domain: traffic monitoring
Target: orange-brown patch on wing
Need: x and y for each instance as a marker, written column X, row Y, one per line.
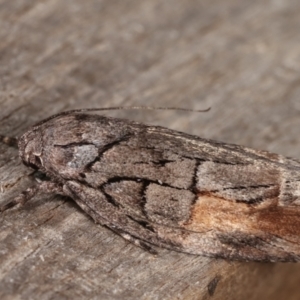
column 280, row 221
column 214, row 213
column 211, row 212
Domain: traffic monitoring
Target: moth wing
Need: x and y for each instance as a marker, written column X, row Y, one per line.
column 196, row 196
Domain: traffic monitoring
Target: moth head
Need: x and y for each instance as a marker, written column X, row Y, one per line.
column 30, row 149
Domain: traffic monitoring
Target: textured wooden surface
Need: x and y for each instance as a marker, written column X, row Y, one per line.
column 242, row 58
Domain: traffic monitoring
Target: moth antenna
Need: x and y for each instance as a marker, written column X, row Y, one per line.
column 143, row 108
column 10, row 141
column 118, row 108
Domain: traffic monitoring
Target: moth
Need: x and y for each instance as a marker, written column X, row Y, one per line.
column 159, row 187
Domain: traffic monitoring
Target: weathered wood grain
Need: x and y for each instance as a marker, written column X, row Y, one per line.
column 242, row 58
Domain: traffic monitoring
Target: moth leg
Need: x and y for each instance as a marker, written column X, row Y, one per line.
column 135, row 241
column 10, row 141
column 43, row 187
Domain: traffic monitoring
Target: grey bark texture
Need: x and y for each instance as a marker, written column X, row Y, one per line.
column 239, row 57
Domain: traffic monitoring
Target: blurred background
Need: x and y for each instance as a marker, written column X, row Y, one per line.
column 241, row 58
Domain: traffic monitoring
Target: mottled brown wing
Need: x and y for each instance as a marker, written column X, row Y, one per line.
column 178, row 191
